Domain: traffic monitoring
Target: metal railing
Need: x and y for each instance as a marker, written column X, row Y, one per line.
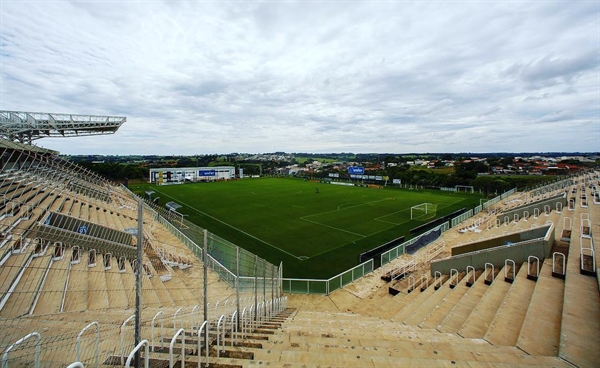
column 326, row 286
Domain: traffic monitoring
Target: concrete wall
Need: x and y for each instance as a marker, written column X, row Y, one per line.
column 524, row 235
column 518, row 252
column 531, row 207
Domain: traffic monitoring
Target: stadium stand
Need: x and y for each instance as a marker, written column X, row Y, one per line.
column 68, row 286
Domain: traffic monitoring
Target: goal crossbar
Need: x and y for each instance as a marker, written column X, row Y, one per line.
column 464, row 188
column 422, row 209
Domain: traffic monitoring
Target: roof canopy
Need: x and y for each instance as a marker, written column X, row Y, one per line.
column 27, row 126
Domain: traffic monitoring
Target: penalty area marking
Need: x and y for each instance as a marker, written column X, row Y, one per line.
column 233, row 227
column 303, row 258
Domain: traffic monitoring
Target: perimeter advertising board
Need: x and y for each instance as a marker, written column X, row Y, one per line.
column 356, row 170
column 207, row 173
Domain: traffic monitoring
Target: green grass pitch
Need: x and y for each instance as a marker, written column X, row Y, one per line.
column 318, row 230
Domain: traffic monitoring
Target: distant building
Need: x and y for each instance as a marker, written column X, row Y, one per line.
column 165, row 176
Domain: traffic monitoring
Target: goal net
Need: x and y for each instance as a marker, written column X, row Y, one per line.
column 423, row 211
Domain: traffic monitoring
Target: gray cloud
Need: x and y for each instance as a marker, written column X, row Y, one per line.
column 196, row 77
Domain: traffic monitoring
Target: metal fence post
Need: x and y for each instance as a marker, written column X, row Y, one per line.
column 264, row 266
column 237, row 284
column 205, row 266
column 255, row 284
column 138, row 281
column 280, row 283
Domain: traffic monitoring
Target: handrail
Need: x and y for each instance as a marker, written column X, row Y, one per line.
column 146, row 354
column 410, row 266
column 175, row 318
column 162, row 330
column 554, row 261
column 426, row 281
column 257, row 314
column 537, row 263
column 193, row 324
column 243, row 319
column 250, row 314
column 413, row 283
column 219, row 334
column 179, row 332
column 121, row 262
column 586, row 223
column 435, row 277
column 38, row 349
column 97, row 344
column 570, row 222
column 473, row 273
column 106, row 260
column 456, row 272
column 485, row 274
column 592, row 253
column 204, row 327
column 233, row 324
column 76, row 365
column 269, row 310
column 514, row 273
column 123, row 338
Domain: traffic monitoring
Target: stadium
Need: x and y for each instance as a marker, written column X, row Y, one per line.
column 94, row 275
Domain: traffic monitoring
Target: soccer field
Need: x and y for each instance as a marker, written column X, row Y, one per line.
column 316, row 229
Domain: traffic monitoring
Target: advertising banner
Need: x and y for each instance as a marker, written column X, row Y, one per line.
column 358, row 170
column 207, row 173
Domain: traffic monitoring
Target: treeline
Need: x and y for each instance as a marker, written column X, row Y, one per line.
column 463, row 173
column 116, row 171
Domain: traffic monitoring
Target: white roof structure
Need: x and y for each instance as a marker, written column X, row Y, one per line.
column 25, row 127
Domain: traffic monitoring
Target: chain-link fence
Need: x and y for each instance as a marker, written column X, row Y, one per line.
column 74, row 286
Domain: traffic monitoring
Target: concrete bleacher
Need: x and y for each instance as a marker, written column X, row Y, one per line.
column 550, row 320
column 543, row 322
column 56, row 288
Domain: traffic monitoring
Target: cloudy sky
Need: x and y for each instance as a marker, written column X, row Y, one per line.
column 196, row 77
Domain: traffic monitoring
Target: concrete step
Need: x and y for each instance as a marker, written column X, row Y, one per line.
column 21, row 299
column 482, row 315
column 415, row 304
column 540, row 333
column 76, row 298
column 97, row 287
column 432, row 302
column 437, row 315
column 580, row 326
column 506, row 325
column 461, row 311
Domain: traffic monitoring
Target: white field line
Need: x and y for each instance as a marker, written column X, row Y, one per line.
column 389, row 214
column 233, row 227
column 376, row 232
column 335, row 228
column 342, row 209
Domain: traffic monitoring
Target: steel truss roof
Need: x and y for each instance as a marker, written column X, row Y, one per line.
column 27, row 126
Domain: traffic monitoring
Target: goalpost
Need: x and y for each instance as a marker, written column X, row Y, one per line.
column 423, row 210
column 464, row 188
